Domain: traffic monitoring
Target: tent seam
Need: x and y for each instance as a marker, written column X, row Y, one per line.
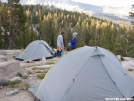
column 48, row 48
column 77, row 76
column 111, row 78
column 35, row 50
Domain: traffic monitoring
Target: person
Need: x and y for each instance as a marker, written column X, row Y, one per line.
column 62, row 52
column 60, row 44
column 74, row 41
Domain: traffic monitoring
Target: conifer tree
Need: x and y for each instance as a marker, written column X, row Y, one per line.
column 42, row 22
column 17, row 21
column 132, row 14
column 4, row 26
column 0, row 36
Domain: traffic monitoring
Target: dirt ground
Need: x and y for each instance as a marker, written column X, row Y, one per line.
column 21, row 96
column 7, row 57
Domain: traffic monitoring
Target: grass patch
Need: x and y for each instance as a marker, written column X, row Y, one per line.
column 37, row 68
column 23, row 86
column 49, row 63
column 19, row 74
column 13, row 56
column 41, row 76
column 27, row 86
column 14, row 84
column 20, row 85
column 130, row 69
column 5, row 59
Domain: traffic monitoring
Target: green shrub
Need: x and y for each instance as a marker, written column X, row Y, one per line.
column 13, row 84
column 23, row 86
column 5, row 59
column 49, row 63
column 27, row 86
column 41, row 76
column 37, row 68
column 19, row 74
column 13, row 56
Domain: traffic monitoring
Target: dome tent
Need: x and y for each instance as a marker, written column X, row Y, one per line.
column 86, row 74
column 36, row 50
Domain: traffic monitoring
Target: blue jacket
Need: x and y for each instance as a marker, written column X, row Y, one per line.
column 74, row 43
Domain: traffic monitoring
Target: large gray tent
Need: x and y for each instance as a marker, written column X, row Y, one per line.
column 86, row 74
column 36, row 50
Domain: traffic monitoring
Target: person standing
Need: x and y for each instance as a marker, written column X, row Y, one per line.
column 60, row 44
column 62, row 52
column 74, row 41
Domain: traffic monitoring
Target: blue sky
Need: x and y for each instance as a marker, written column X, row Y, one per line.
column 114, row 3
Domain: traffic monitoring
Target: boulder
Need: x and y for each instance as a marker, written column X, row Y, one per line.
column 4, row 82
column 16, row 79
column 12, row 92
column 24, row 76
column 10, row 69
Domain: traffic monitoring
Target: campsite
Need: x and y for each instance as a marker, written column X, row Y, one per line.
column 66, row 50
column 31, row 70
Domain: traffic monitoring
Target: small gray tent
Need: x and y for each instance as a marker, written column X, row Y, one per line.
column 85, row 74
column 36, row 50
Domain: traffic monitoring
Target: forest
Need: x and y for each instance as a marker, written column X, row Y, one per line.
column 22, row 24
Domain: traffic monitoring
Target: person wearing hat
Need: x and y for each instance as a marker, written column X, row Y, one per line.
column 60, row 44
column 74, row 41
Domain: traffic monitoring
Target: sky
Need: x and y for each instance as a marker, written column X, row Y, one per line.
column 114, row 3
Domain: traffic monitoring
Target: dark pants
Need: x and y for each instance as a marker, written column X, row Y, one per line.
column 59, row 53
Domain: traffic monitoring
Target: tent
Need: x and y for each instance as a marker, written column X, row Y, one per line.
column 36, row 50
column 86, row 74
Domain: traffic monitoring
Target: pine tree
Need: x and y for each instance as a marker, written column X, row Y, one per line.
column 92, row 42
column 0, row 36
column 17, row 21
column 0, row 27
column 132, row 14
column 5, row 26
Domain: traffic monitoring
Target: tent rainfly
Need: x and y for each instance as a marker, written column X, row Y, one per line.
column 86, row 74
column 36, row 50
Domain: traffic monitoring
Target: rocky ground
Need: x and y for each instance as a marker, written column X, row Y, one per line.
column 22, row 75
column 30, row 73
